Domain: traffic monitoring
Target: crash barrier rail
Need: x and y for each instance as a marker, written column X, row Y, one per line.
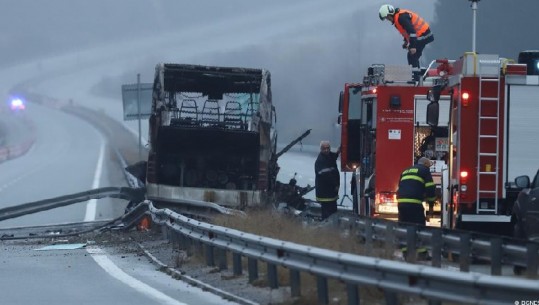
column 14, row 150
column 464, row 245
column 127, row 193
column 354, row 270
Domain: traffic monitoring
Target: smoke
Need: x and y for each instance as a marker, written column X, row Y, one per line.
column 502, row 27
column 310, row 47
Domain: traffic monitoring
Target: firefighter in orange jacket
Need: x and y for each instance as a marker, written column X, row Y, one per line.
column 415, row 186
column 414, row 29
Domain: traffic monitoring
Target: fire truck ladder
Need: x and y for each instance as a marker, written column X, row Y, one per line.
column 485, row 152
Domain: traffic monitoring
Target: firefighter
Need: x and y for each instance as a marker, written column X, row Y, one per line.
column 414, row 29
column 415, row 186
column 327, row 179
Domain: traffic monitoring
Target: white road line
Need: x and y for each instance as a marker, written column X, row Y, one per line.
column 92, row 203
column 104, row 262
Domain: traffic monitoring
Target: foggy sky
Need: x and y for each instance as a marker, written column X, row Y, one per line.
column 504, row 27
column 310, row 47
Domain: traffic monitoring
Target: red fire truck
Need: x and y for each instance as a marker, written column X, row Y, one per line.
column 479, row 128
column 492, row 137
column 383, row 131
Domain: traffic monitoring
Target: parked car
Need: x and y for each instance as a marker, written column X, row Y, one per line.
column 525, row 214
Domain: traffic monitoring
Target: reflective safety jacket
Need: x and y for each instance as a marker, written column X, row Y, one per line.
column 416, row 185
column 411, row 26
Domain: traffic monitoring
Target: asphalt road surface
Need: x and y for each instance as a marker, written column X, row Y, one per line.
column 69, row 155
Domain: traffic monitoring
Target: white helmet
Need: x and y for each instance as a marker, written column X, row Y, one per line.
column 386, row 10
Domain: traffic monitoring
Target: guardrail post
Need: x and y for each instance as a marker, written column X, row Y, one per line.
column 435, row 302
column 353, row 294
column 389, row 237
column 411, row 240
column 322, row 290
column 464, row 253
column 179, row 240
column 222, row 259
column 273, row 282
column 391, row 298
column 165, row 232
column 190, row 242
column 173, row 237
column 236, row 264
column 532, row 257
column 199, row 247
column 183, row 242
column 437, row 243
column 252, row 267
column 295, row 283
column 496, row 256
column 210, row 261
column 368, row 235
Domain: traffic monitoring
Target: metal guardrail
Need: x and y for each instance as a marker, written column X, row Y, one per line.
column 391, row 276
column 127, row 193
column 465, row 245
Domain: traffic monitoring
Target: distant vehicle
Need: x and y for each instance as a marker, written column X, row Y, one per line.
column 17, row 104
column 526, row 210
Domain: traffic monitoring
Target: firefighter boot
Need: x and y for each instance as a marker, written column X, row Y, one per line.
column 416, row 76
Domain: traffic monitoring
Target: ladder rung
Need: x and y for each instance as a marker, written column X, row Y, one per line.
column 489, row 99
column 488, row 136
column 490, row 79
column 488, row 192
column 488, row 117
column 488, row 154
column 492, row 62
column 486, row 210
column 487, row 173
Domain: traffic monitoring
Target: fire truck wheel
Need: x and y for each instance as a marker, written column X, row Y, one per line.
column 518, row 270
column 517, row 230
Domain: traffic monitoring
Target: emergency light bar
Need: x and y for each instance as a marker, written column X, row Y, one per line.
column 531, row 59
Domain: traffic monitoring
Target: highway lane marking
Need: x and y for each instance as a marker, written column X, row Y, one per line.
column 104, row 261
column 91, row 206
column 100, row 257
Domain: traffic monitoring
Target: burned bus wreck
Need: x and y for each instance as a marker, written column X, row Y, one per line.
column 212, row 135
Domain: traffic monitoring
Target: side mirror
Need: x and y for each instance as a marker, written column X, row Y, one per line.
column 522, row 181
column 339, row 119
column 433, row 112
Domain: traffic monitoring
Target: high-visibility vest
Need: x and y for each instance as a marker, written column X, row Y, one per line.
column 415, row 185
column 419, row 24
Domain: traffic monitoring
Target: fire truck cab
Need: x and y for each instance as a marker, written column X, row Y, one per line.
column 383, row 131
column 492, row 138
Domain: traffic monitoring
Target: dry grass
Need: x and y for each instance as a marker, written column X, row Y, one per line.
column 266, row 222
column 269, row 223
